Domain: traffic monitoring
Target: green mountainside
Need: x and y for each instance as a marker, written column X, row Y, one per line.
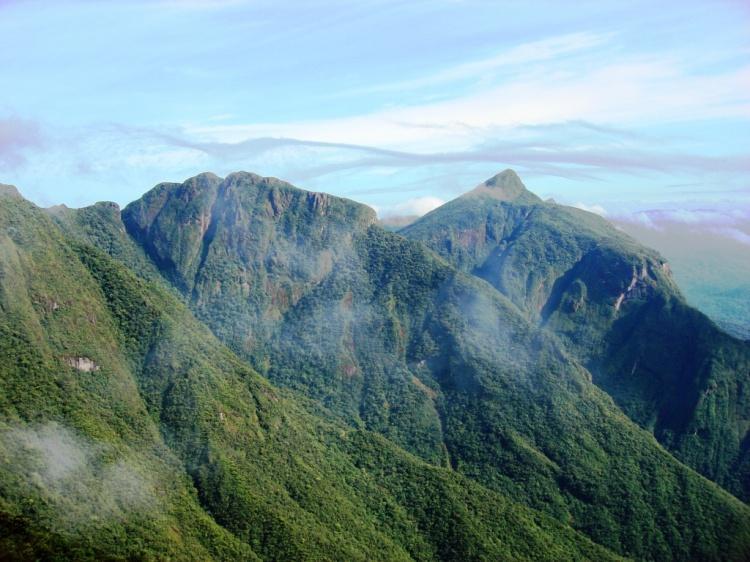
column 127, row 431
column 616, row 309
column 386, row 337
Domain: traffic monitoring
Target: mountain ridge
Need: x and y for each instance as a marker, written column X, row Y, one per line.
column 410, row 350
column 128, row 431
column 618, row 310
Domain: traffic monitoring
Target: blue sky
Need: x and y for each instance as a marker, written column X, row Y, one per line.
column 628, row 108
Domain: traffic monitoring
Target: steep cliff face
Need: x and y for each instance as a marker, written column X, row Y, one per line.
column 617, row 309
column 384, row 335
column 243, row 248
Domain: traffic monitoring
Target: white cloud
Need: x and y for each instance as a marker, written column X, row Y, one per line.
column 715, row 217
column 17, row 135
column 732, row 223
column 655, row 90
column 415, row 206
column 597, row 209
column 82, row 483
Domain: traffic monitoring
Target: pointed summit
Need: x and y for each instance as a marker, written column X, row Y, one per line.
column 505, row 186
column 506, row 179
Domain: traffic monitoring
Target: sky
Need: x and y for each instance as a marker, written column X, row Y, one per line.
column 629, row 109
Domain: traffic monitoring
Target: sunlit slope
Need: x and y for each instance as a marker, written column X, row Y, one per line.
column 128, row 431
column 617, row 309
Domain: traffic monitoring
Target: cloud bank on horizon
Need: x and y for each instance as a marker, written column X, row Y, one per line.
column 622, row 109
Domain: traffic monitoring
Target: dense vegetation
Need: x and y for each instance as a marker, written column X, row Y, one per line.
column 617, row 310
column 384, row 336
column 128, row 432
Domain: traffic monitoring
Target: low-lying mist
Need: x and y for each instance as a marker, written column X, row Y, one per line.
column 72, row 481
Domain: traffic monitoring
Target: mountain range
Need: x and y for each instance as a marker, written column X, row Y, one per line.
column 235, row 368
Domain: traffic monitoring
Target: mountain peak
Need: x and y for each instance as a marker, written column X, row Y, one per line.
column 204, row 179
column 505, row 186
column 506, row 178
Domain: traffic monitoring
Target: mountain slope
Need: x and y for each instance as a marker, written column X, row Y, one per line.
column 616, row 308
column 128, row 431
column 390, row 338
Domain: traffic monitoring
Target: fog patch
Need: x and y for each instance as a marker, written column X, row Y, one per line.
column 494, row 344
column 485, row 323
column 74, row 483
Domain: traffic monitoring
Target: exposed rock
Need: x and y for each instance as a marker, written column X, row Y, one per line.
column 350, row 369
column 639, row 287
column 426, row 390
column 47, row 304
column 619, row 300
column 318, row 202
column 278, row 201
column 83, row 364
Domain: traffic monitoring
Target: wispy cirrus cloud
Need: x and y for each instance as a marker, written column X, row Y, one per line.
column 531, row 52
column 576, row 150
column 596, row 101
column 576, row 142
column 556, row 155
column 617, row 92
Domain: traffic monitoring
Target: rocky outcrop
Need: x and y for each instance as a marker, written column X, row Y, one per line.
column 640, row 285
column 83, row 364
